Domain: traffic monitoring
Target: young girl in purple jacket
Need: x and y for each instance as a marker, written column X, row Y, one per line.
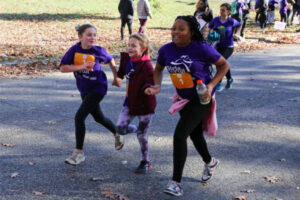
column 137, row 68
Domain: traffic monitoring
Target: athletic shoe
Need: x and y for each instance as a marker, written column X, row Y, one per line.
column 229, row 83
column 219, row 87
column 76, row 158
column 209, row 170
column 119, row 141
column 174, row 188
column 144, row 167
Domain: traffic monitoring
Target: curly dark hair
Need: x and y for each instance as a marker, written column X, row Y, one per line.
column 194, row 27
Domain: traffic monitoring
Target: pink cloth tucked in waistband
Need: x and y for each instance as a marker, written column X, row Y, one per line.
column 209, row 125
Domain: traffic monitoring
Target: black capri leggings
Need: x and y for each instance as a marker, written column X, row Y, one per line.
column 226, row 53
column 90, row 105
column 189, row 124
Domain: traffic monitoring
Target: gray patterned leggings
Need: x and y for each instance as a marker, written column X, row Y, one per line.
column 124, row 127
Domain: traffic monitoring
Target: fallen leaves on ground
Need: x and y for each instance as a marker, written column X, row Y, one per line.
column 271, row 179
column 14, row 175
column 114, row 196
column 96, row 179
column 248, row 191
column 31, row 163
column 246, row 172
column 37, row 193
column 40, row 40
column 50, row 122
column 7, row 145
column 239, row 197
column 29, row 69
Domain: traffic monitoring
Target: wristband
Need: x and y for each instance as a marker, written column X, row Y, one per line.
column 157, row 85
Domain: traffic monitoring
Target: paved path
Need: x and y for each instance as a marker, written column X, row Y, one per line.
column 259, row 125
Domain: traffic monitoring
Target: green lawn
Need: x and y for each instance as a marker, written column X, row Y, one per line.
column 164, row 11
column 46, row 28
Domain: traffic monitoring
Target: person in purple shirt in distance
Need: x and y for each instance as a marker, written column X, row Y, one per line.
column 271, row 11
column 283, row 11
column 83, row 59
column 187, row 59
column 238, row 11
column 225, row 25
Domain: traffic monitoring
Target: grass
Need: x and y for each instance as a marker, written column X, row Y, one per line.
column 45, row 28
column 164, row 11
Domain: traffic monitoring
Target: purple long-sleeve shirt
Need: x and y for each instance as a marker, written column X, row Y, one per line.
column 283, row 8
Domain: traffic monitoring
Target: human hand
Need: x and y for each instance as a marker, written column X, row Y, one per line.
column 152, row 90
column 88, row 65
column 207, row 10
column 117, row 82
column 235, row 36
column 208, row 92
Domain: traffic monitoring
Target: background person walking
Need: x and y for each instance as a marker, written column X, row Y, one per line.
column 126, row 10
column 143, row 10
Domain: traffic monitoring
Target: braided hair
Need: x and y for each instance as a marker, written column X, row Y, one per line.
column 194, row 27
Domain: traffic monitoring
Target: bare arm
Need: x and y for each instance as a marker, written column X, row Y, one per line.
column 222, row 68
column 238, row 32
column 117, row 81
column 74, row 68
column 157, row 77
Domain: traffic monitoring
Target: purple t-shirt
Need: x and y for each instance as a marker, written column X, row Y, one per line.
column 239, row 7
column 283, row 8
column 225, row 29
column 88, row 81
column 188, row 64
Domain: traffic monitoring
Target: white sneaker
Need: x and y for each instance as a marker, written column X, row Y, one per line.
column 209, row 170
column 76, row 158
column 174, row 188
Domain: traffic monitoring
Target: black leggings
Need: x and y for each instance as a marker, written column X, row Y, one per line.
column 226, row 53
column 90, row 105
column 125, row 21
column 245, row 18
column 263, row 20
column 283, row 17
column 189, row 124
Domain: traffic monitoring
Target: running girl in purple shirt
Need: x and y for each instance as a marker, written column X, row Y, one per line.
column 225, row 25
column 137, row 68
column 84, row 60
column 187, row 60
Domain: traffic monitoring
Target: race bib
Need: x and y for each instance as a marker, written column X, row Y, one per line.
column 80, row 58
column 182, row 80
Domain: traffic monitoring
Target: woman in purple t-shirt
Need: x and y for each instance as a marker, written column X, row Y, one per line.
column 225, row 25
column 187, row 60
column 84, row 60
